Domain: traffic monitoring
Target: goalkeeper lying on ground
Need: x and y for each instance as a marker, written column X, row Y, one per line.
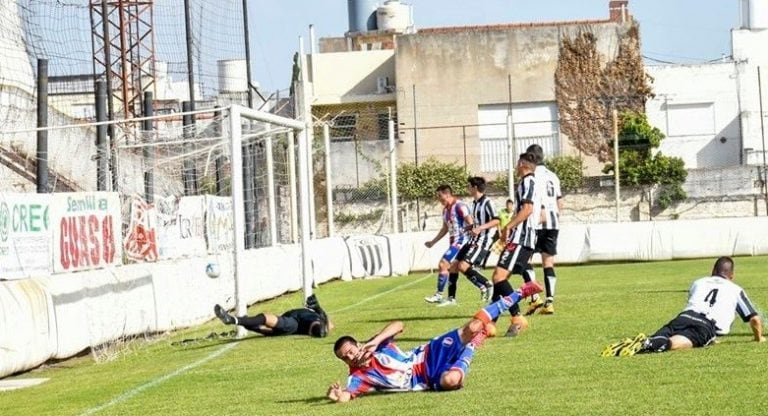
column 310, row 320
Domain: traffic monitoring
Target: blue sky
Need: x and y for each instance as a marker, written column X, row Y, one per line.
column 671, row 30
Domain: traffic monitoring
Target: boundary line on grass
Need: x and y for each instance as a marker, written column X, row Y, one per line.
column 133, row 392
column 378, row 295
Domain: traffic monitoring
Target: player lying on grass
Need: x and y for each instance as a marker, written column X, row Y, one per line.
column 441, row 364
column 310, row 320
column 712, row 302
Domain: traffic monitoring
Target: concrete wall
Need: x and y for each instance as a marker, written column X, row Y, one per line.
column 359, row 80
column 458, row 69
column 749, row 52
column 697, row 108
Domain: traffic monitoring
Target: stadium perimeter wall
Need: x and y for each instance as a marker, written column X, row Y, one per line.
column 58, row 316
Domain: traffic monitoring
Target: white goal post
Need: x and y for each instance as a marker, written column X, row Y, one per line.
column 238, row 114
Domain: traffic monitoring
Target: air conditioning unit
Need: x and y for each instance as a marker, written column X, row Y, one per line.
column 381, row 85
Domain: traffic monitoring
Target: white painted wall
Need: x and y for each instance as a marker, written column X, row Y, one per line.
column 341, row 77
column 750, row 51
column 696, row 107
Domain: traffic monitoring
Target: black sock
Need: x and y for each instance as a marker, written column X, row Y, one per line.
column 528, row 274
column 476, row 278
column 549, row 282
column 657, row 344
column 252, row 323
column 453, row 278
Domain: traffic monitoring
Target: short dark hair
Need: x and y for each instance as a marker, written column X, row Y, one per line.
column 529, row 159
column 341, row 341
column 723, row 267
column 537, row 151
column 510, row 201
column 478, row 182
column 444, row 188
column 318, row 329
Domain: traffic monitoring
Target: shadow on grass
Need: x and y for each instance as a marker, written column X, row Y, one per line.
column 317, row 400
column 418, row 318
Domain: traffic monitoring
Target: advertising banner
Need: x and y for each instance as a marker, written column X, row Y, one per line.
column 86, row 230
column 25, row 239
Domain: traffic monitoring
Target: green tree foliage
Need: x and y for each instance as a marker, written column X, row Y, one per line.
column 640, row 166
column 570, row 171
column 421, row 181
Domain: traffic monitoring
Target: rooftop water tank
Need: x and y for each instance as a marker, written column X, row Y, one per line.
column 233, row 75
column 394, row 15
column 362, row 15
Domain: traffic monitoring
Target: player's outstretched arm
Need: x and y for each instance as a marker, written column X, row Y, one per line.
column 337, row 394
column 387, row 333
column 756, row 323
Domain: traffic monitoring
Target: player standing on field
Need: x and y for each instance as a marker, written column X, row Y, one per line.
column 547, row 231
column 521, row 240
column 712, row 303
column 456, row 220
column 473, row 254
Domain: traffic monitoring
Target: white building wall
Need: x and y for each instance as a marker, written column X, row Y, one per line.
column 342, row 77
column 697, row 108
column 750, row 51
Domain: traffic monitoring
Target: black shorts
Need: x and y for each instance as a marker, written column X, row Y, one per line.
column 295, row 321
column 473, row 254
column 546, row 241
column 692, row 325
column 515, row 258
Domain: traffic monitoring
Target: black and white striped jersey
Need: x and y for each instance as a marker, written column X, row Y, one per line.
column 719, row 299
column 524, row 233
column 549, row 187
column 483, row 212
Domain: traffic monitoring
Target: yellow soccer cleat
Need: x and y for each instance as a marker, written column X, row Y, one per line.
column 614, row 349
column 634, row 347
column 534, row 306
column 547, row 309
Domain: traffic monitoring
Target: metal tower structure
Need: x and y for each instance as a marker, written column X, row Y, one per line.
column 123, row 39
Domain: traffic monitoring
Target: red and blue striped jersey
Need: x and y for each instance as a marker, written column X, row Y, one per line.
column 453, row 217
column 391, row 369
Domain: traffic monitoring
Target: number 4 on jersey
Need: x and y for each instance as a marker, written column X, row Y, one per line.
column 711, row 297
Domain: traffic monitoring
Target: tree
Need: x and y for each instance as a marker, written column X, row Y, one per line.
column 641, row 165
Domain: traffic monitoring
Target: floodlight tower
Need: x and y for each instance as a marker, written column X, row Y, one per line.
column 123, row 43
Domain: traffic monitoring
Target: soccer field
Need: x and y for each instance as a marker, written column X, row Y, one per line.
column 554, row 368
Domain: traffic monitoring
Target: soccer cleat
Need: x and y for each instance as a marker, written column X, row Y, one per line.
column 436, row 298
column 534, row 306
column 614, row 349
column 547, row 309
column 634, row 347
column 518, row 325
column 223, row 315
column 447, row 302
column 490, row 329
column 529, row 289
column 486, row 294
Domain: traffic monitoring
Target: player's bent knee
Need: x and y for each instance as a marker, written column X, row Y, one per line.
column 451, row 380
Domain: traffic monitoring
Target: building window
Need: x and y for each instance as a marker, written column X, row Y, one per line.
column 343, row 128
column 383, row 122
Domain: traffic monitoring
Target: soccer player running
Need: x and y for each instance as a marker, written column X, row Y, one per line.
column 441, row 364
column 521, row 239
column 310, row 320
column 456, row 220
column 547, row 230
column 712, row 303
column 473, row 254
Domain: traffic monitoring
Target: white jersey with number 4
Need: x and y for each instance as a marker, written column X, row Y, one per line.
column 719, row 299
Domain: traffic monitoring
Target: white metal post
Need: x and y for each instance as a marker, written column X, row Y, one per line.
column 328, row 180
column 393, row 175
column 306, row 110
column 238, row 211
column 271, row 200
column 306, row 271
column 512, row 156
column 617, row 184
column 292, row 186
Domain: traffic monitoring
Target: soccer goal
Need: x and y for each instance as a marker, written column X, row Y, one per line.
column 220, row 182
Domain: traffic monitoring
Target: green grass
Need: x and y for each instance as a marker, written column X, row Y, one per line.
column 555, row 368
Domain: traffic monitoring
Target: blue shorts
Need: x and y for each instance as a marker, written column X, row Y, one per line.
column 442, row 353
column 452, row 252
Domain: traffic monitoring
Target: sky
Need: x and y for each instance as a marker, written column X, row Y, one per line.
column 679, row 31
